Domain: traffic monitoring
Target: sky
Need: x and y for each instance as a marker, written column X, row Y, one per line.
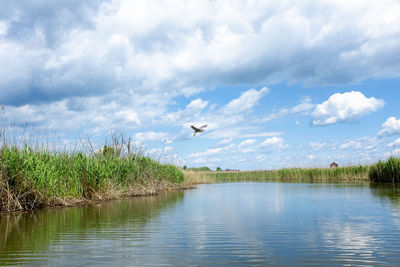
column 279, row 83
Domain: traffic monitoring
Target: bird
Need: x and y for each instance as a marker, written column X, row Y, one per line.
column 198, row 130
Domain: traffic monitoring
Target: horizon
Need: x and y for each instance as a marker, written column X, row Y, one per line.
column 279, row 85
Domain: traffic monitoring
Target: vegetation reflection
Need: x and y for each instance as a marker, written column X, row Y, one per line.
column 30, row 233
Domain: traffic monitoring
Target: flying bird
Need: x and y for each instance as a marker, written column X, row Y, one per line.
column 198, row 130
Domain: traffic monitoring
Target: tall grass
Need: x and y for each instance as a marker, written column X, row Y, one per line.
column 31, row 178
column 386, row 171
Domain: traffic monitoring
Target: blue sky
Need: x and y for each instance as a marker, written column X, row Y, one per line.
column 279, row 83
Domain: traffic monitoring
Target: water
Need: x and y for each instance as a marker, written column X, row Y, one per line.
column 245, row 224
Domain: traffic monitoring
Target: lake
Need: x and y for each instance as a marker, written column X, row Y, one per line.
column 242, row 224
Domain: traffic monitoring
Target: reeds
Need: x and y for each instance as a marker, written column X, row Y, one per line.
column 382, row 171
column 32, row 178
column 386, row 171
column 353, row 173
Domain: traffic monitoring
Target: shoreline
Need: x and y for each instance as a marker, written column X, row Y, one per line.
column 31, row 178
column 134, row 192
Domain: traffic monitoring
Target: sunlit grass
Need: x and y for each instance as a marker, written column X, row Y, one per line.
column 352, row 173
column 30, row 178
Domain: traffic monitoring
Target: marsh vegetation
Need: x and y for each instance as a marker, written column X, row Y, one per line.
column 33, row 177
column 386, row 171
column 353, row 173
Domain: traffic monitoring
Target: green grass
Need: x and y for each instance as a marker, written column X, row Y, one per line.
column 382, row 171
column 30, row 178
column 200, row 169
column 353, row 173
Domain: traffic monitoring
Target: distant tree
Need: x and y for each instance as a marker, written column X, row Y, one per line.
column 184, row 167
column 218, row 169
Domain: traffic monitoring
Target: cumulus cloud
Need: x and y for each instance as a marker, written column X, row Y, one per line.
column 80, row 48
column 390, row 127
column 273, row 141
column 246, row 101
column 345, row 107
column 197, row 104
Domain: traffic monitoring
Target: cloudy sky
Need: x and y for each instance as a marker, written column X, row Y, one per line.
column 279, row 83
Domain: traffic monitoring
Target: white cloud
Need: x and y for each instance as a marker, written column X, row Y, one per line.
column 151, row 136
column 261, row 157
column 197, row 104
column 206, row 161
column 246, row 101
column 208, row 152
column 225, row 141
column 128, row 115
column 3, row 28
column 390, row 127
column 189, row 91
column 92, row 47
column 311, row 156
column 393, row 153
column 318, row 145
column 394, row 143
column 303, row 108
column 160, row 152
column 351, row 144
column 273, row 141
column 345, row 107
column 247, row 142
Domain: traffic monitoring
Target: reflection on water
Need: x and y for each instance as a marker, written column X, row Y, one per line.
column 255, row 224
column 48, row 234
column 389, row 192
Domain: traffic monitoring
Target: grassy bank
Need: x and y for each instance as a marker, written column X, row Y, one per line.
column 353, row 173
column 382, row 171
column 30, row 178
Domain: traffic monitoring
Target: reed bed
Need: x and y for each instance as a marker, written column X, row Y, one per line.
column 352, row 173
column 386, row 171
column 31, row 178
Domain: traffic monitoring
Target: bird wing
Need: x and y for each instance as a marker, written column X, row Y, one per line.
column 204, row 126
column 194, row 128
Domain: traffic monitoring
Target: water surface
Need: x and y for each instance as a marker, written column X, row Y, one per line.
column 248, row 224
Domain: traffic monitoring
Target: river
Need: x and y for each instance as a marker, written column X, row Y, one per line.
column 242, row 224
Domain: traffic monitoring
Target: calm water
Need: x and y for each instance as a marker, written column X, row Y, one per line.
column 249, row 224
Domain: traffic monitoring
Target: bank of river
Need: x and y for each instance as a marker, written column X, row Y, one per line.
column 242, row 224
column 32, row 178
